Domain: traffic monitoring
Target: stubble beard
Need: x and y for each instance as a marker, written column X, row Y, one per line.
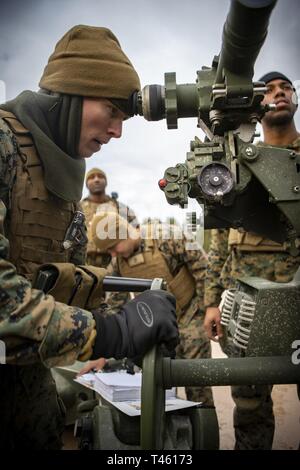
column 279, row 120
column 97, row 192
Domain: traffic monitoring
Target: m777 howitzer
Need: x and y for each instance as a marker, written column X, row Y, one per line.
column 240, row 185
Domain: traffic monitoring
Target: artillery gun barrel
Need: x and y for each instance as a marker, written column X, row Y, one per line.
column 229, row 371
column 244, row 33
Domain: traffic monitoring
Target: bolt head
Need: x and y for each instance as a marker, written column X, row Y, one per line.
column 250, row 153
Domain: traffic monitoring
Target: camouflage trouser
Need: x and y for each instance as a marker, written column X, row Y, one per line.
column 253, row 414
column 195, row 345
column 253, row 417
column 31, row 414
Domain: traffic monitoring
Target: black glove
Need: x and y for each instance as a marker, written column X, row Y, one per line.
column 148, row 319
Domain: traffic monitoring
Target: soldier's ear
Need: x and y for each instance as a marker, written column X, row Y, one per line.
column 295, row 97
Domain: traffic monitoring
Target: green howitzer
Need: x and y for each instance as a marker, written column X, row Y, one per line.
column 227, row 173
column 232, row 178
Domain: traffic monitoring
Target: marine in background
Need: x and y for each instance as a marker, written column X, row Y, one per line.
column 99, row 201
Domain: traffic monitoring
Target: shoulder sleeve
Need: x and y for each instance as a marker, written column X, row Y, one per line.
column 196, row 262
column 8, row 160
column 184, row 253
column 132, row 218
column 169, row 243
column 217, row 255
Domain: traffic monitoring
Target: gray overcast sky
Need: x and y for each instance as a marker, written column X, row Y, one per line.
column 158, row 36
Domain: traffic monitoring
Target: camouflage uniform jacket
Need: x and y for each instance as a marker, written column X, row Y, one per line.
column 219, row 252
column 94, row 256
column 176, row 255
column 33, row 327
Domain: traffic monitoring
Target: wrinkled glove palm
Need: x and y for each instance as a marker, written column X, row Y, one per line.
column 148, row 319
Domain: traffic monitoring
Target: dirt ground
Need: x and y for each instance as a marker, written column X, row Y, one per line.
column 286, row 410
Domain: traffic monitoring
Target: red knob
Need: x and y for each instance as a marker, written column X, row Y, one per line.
column 162, row 183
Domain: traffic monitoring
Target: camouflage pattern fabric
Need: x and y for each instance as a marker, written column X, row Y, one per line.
column 253, row 417
column 217, row 255
column 194, row 343
column 32, row 414
column 90, row 208
column 276, row 267
column 38, row 333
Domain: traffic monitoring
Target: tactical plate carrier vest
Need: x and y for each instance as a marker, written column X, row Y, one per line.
column 38, row 220
column 247, row 241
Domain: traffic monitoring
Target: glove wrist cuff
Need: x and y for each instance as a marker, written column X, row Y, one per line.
column 108, row 341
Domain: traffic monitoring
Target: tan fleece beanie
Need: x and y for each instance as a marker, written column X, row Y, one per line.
column 88, row 61
column 95, row 171
column 109, row 228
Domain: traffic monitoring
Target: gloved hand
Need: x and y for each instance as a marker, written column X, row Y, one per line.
column 148, row 319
